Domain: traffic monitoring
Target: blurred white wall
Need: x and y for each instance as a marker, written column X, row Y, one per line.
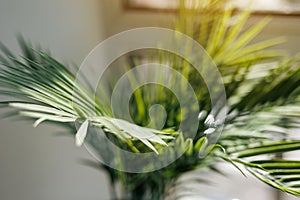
column 35, row 163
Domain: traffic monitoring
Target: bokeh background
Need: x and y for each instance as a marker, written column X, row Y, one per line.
column 43, row 163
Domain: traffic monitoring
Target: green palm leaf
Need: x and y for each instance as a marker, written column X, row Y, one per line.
column 48, row 88
column 263, row 102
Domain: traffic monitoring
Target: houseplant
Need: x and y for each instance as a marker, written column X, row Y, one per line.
column 261, row 107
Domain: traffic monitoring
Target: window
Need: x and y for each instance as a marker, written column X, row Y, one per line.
column 283, row 7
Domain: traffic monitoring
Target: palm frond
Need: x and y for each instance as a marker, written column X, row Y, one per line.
column 263, row 102
column 49, row 93
column 263, row 98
